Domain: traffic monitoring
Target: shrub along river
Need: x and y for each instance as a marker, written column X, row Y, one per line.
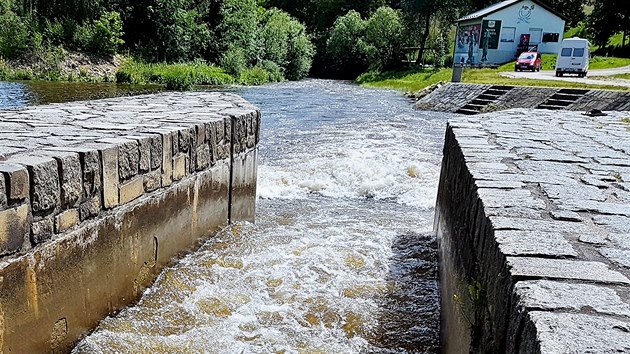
column 341, row 259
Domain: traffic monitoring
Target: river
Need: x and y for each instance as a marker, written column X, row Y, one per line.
column 341, row 258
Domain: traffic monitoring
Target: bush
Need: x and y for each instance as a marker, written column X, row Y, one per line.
column 284, row 42
column 273, row 69
column 346, row 47
column 108, row 32
column 383, row 35
column 173, row 76
column 17, row 36
column 233, row 61
column 103, row 36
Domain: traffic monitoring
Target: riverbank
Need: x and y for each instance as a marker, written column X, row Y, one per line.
column 61, row 65
column 418, row 79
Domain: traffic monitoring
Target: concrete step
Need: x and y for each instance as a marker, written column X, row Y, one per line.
column 501, row 87
column 551, row 107
column 565, row 96
column 469, row 112
column 557, row 102
column 495, row 92
column 574, row 91
column 481, row 101
column 489, row 97
column 471, row 105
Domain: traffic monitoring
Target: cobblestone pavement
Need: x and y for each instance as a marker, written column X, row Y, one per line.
column 62, row 164
column 556, row 188
column 78, row 123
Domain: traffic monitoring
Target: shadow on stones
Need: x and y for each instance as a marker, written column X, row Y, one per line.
column 410, row 309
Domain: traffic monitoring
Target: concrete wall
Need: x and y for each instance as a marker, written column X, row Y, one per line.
column 532, row 224
column 97, row 197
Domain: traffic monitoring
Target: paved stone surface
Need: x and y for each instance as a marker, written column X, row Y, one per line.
column 577, row 333
column 62, row 164
column 553, row 193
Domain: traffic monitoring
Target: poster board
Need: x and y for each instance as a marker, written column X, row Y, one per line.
column 491, row 31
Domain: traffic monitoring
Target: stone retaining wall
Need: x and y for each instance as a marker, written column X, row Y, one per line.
column 533, row 223
column 97, row 197
column 453, row 96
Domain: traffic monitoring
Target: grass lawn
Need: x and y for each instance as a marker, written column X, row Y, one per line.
column 622, row 76
column 414, row 80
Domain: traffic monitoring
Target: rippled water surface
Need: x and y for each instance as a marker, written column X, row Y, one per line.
column 20, row 94
column 341, row 258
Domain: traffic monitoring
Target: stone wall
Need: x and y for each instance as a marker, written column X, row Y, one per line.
column 533, row 225
column 453, row 96
column 97, row 197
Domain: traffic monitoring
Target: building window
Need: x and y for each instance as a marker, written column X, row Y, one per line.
column 551, row 37
column 507, row 34
column 536, row 35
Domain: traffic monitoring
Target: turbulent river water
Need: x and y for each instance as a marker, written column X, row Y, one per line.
column 341, row 258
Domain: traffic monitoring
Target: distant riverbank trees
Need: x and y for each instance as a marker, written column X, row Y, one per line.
column 284, row 39
column 234, row 34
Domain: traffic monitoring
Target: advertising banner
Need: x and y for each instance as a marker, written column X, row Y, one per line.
column 491, row 32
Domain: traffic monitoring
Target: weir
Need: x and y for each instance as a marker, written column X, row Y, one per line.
column 97, row 197
column 533, row 226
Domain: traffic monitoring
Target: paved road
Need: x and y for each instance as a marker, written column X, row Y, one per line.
column 595, row 77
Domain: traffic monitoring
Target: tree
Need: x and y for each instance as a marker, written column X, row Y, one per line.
column 383, row 34
column 420, row 15
column 608, row 18
column 346, row 49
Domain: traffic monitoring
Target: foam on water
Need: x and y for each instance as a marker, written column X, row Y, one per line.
column 340, row 260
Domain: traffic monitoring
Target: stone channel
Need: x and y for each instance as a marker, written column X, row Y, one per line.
column 533, row 225
column 97, row 197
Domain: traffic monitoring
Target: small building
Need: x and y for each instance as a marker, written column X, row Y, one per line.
column 498, row 33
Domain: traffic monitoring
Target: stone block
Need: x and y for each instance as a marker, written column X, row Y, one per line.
column 179, row 167
column 144, row 148
column 128, row 160
column 109, row 156
column 45, row 183
column 3, row 193
column 203, row 158
column 90, row 160
column 575, row 333
column 526, row 267
column 552, row 295
column 156, row 152
column 16, row 179
column 66, row 220
column 534, row 243
column 201, row 134
column 167, row 159
column 42, row 231
column 152, row 180
column 71, row 179
column 90, row 208
column 131, row 190
column 185, row 139
column 15, row 226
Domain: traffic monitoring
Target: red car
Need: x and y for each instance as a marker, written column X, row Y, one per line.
column 528, row 61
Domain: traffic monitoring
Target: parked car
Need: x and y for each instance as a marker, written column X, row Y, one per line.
column 574, row 57
column 528, row 61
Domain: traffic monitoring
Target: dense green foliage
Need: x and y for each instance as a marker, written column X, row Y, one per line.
column 250, row 43
column 270, row 40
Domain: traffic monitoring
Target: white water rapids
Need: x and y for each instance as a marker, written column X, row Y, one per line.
column 341, row 258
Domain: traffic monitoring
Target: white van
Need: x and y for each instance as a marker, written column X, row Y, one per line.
column 573, row 57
